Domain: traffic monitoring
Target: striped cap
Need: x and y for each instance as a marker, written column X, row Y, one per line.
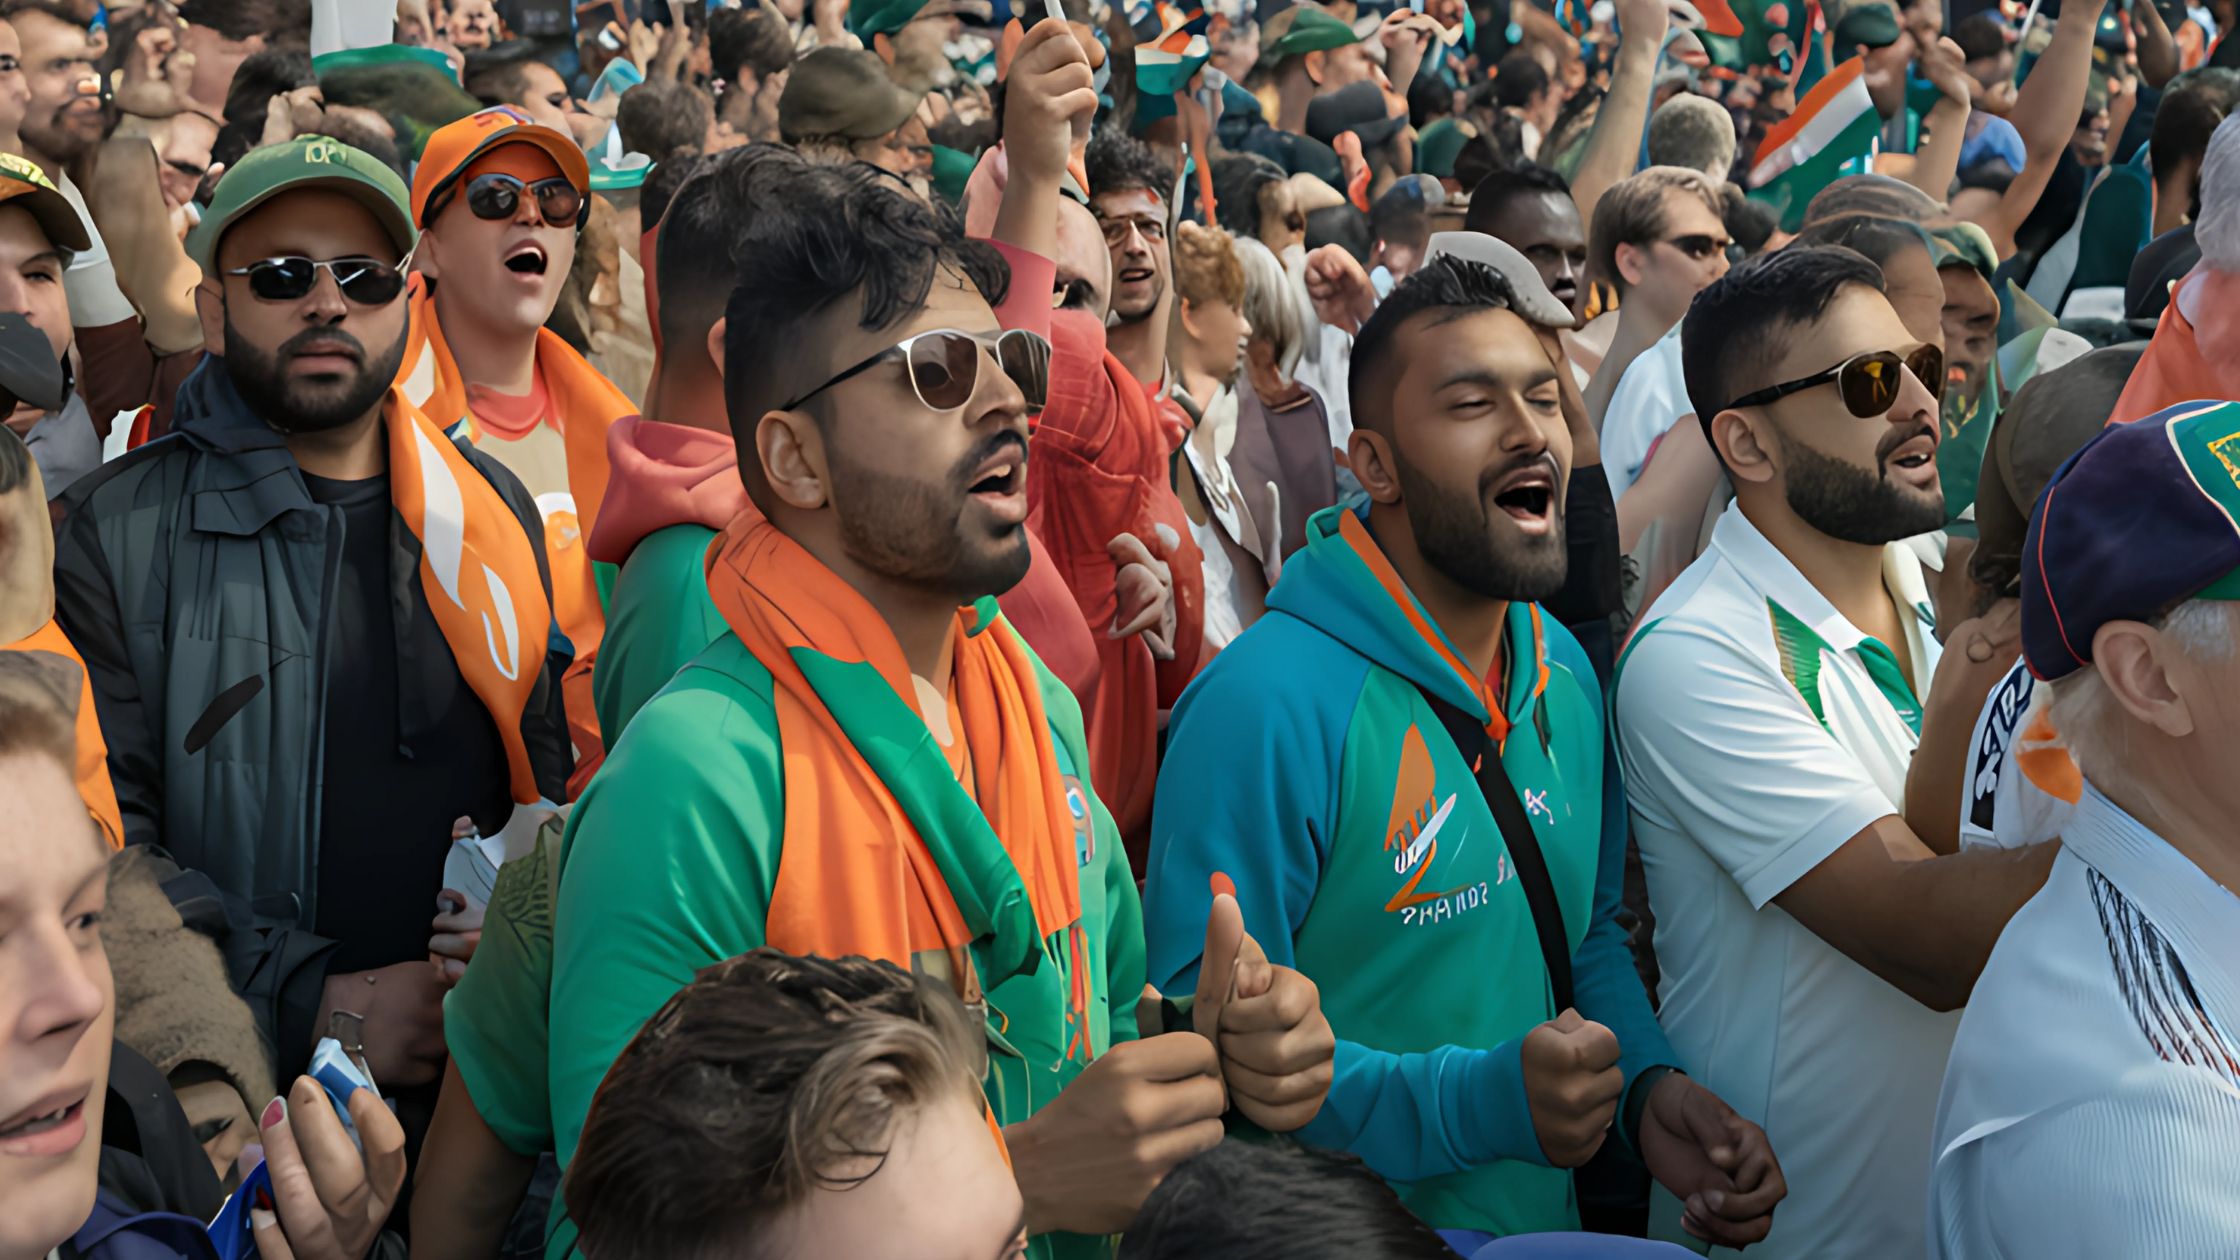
column 2143, row 518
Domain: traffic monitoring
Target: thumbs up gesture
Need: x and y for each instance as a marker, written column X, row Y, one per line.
column 1572, row 1082
column 1266, row 1021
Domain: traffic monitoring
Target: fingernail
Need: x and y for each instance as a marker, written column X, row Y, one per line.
column 1715, row 1199
column 261, row 1219
column 252, row 1154
column 274, row 1112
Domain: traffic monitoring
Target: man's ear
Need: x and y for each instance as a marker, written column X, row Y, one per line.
column 1740, row 445
column 791, row 452
column 210, row 308
column 1313, row 63
column 715, row 343
column 1185, row 311
column 2135, row 661
column 883, row 45
column 1374, row 466
column 1631, row 264
column 427, row 256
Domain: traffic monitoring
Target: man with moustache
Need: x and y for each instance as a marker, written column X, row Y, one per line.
column 1767, row 709
column 1128, row 189
column 1401, row 772
column 317, row 627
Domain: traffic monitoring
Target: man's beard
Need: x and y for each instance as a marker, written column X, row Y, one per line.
column 905, row 528
column 56, row 138
column 288, row 404
column 1455, row 533
column 1853, row 505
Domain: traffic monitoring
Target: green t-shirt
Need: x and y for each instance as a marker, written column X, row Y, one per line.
column 659, row 617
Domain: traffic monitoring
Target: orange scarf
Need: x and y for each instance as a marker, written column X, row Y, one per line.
column 588, row 405
column 94, row 787
column 885, row 853
column 479, row 571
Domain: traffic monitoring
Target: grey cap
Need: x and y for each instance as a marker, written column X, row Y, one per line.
column 1534, row 302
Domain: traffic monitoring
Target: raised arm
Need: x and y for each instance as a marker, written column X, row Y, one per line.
column 1938, row 161
column 2046, row 110
column 1615, row 148
column 1051, row 99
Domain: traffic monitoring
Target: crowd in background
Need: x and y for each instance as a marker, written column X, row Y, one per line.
column 943, row 629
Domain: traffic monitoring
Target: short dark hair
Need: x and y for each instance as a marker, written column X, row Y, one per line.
column 1517, row 79
column 1344, row 227
column 1750, row 224
column 1255, row 1201
column 498, row 75
column 1445, row 284
column 1980, row 36
column 667, row 178
column 2192, row 106
column 1492, row 195
column 1118, row 162
column 663, row 115
column 1742, row 321
column 1429, row 99
column 823, row 233
column 1402, row 214
column 1873, row 237
column 1873, row 194
column 278, row 21
column 262, row 75
column 702, row 222
column 765, row 1078
column 1237, row 181
column 1495, row 148
column 747, row 38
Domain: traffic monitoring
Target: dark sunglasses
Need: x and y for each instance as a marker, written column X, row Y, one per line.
column 1699, row 245
column 1868, row 382
column 945, row 367
column 365, row 281
column 496, row 196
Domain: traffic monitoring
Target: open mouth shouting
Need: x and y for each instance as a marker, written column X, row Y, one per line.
column 54, row 1125
column 1528, row 496
column 1912, row 459
column 526, row 259
column 999, row 483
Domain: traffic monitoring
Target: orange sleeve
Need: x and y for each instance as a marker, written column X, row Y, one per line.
column 93, row 751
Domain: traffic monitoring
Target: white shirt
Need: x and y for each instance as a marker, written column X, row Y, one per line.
column 1650, row 397
column 2093, row 1097
column 2001, row 805
column 91, row 281
column 1755, row 743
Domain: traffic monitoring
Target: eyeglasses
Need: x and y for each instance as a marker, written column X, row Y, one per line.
column 945, row 367
column 1868, row 382
column 495, row 196
column 1699, row 245
column 365, row 281
column 1152, row 230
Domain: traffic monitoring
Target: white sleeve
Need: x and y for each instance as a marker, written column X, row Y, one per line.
column 1642, row 408
column 91, row 281
column 2142, row 1168
column 1717, row 746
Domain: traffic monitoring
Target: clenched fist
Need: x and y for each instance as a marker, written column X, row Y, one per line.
column 1572, row 1082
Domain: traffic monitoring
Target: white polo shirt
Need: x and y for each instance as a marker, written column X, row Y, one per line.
column 1756, row 739
column 1650, row 397
column 2093, row 1098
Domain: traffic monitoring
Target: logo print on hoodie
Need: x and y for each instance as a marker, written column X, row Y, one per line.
column 1418, row 816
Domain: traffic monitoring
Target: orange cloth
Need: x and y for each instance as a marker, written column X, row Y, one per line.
column 588, row 404
column 93, row 751
column 2183, row 362
column 512, row 416
column 479, row 572
column 857, row 876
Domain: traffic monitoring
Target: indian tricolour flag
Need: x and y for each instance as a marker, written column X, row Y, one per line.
column 1167, row 66
column 1833, row 134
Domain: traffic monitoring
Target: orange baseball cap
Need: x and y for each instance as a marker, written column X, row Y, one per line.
column 453, row 148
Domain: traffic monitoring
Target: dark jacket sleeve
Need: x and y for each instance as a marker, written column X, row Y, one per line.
column 85, row 598
column 1591, row 588
column 278, row 968
column 544, row 722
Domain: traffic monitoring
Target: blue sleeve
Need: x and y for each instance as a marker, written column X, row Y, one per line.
column 1608, row 988
column 1249, row 788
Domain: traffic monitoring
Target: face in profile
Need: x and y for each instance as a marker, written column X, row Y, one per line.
column 56, row 1004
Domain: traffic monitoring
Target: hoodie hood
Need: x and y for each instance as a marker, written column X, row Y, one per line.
column 662, row 475
column 1342, row 584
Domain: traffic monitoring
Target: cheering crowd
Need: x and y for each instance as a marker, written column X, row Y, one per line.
column 953, row 630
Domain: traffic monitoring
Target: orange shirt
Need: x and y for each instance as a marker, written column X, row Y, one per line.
column 93, row 751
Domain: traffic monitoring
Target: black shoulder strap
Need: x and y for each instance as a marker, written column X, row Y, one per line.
column 1516, row 831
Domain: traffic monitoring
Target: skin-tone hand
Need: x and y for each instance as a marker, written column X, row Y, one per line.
column 1998, row 99
column 1572, row 1083
column 644, row 45
column 831, row 20
column 1406, row 36
column 1145, row 587
column 458, row 929
column 1339, row 288
column 1275, row 1043
column 1090, row 1157
column 290, row 114
column 156, row 74
column 1945, row 66
column 1586, row 444
column 1051, row 98
column 330, row 1200
column 1715, row 1162
column 414, row 26
column 403, row 1009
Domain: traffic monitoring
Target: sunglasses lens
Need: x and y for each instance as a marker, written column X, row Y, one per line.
column 559, row 202
column 1870, row 383
column 282, row 279
column 369, row 283
column 493, row 196
column 1025, row 358
column 1928, row 364
column 943, row 369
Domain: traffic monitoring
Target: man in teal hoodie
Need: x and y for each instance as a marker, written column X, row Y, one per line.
column 1309, row 771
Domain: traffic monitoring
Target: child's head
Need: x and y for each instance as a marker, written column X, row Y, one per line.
column 1248, row 1201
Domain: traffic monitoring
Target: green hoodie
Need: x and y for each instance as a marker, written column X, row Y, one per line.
column 1305, row 766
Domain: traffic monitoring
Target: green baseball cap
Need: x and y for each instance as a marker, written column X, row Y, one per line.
column 1873, row 25
column 867, row 18
column 304, row 162
column 1302, row 29
column 1440, row 144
